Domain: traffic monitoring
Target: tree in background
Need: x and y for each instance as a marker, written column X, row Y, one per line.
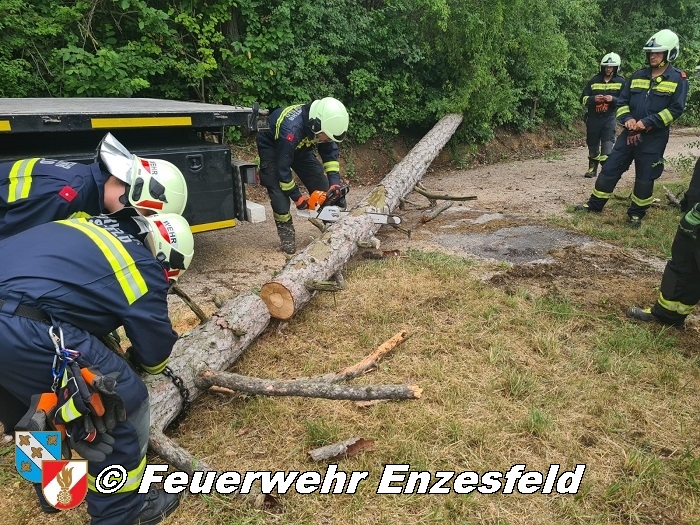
column 397, row 64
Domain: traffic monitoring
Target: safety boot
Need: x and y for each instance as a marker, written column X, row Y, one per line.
column 285, row 230
column 592, row 171
column 585, row 207
column 645, row 315
column 157, row 506
column 634, row 221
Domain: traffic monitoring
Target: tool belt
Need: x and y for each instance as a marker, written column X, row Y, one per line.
column 29, row 312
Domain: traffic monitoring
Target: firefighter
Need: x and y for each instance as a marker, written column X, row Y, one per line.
column 38, row 190
column 651, row 100
column 76, row 281
column 600, row 98
column 288, row 145
column 680, row 283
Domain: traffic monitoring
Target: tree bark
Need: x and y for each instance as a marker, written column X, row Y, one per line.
column 286, row 294
column 306, row 387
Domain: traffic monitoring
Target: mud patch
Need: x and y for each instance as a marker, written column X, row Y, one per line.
column 516, row 245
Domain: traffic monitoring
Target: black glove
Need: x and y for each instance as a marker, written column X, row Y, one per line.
column 96, row 450
column 633, row 138
column 333, row 194
column 105, row 403
column 37, row 417
column 690, row 223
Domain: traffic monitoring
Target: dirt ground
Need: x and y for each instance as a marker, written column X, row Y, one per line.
column 504, row 223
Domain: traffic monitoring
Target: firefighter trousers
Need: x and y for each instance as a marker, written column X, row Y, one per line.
column 647, row 155
column 27, row 354
column 307, row 167
column 680, row 284
column 600, row 135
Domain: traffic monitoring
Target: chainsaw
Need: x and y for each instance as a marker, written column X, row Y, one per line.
column 329, row 210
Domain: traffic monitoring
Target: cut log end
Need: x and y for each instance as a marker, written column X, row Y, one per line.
column 278, row 299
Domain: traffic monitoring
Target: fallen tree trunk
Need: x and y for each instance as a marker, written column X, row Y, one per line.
column 215, row 345
column 286, row 294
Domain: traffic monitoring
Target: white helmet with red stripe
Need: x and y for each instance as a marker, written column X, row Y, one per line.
column 170, row 239
column 154, row 184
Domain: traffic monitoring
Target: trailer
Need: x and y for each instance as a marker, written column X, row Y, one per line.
column 191, row 135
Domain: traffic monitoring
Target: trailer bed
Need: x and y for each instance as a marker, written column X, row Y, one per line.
column 31, row 115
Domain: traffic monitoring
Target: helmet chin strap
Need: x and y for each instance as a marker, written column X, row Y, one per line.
column 124, row 199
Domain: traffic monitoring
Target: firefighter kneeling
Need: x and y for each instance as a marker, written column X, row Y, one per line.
column 63, row 286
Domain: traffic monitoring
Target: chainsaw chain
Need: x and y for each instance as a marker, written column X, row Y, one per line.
column 184, row 393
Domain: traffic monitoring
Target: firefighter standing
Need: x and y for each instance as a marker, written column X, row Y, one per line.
column 600, row 98
column 39, row 190
column 288, row 145
column 83, row 278
column 680, row 285
column 651, row 100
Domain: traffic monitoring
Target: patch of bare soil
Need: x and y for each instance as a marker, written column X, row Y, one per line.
column 538, row 179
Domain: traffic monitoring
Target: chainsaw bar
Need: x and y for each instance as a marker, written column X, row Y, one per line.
column 334, row 214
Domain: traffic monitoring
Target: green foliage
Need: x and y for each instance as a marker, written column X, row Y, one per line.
column 397, row 64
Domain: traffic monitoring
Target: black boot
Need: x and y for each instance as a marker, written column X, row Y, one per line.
column 158, row 505
column 285, row 230
column 592, row 168
column 45, row 505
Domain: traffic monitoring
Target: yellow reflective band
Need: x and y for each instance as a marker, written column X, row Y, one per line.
column 642, row 202
column 208, row 226
column 79, row 215
column 5, row 125
column 675, row 306
column 284, row 113
column 331, row 166
column 287, row 186
column 585, row 100
column 606, row 87
column 133, row 479
column 69, row 412
column 622, row 110
column 20, row 179
column 666, row 116
column 123, row 265
column 155, row 369
column 666, row 86
column 602, row 194
column 640, row 83
column 306, row 143
column 139, row 122
column 282, row 217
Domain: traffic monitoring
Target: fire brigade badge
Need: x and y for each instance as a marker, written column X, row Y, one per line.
column 32, row 448
column 64, row 482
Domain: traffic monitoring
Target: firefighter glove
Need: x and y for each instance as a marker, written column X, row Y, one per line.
column 633, row 139
column 96, row 449
column 302, row 203
column 105, row 403
column 333, row 195
column 36, row 417
column 690, row 223
column 601, row 107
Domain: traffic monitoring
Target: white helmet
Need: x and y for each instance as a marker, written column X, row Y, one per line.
column 329, row 116
column 170, row 239
column 611, row 59
column 664, row 40
column 154, row 184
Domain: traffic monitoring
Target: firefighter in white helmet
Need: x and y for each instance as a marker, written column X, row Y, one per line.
column 288, row 145
column 39, row 190
column 653, row 98
column 600, row 100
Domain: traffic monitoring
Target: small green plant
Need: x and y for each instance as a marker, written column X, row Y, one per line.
column 320, row 432
column 537, row 423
